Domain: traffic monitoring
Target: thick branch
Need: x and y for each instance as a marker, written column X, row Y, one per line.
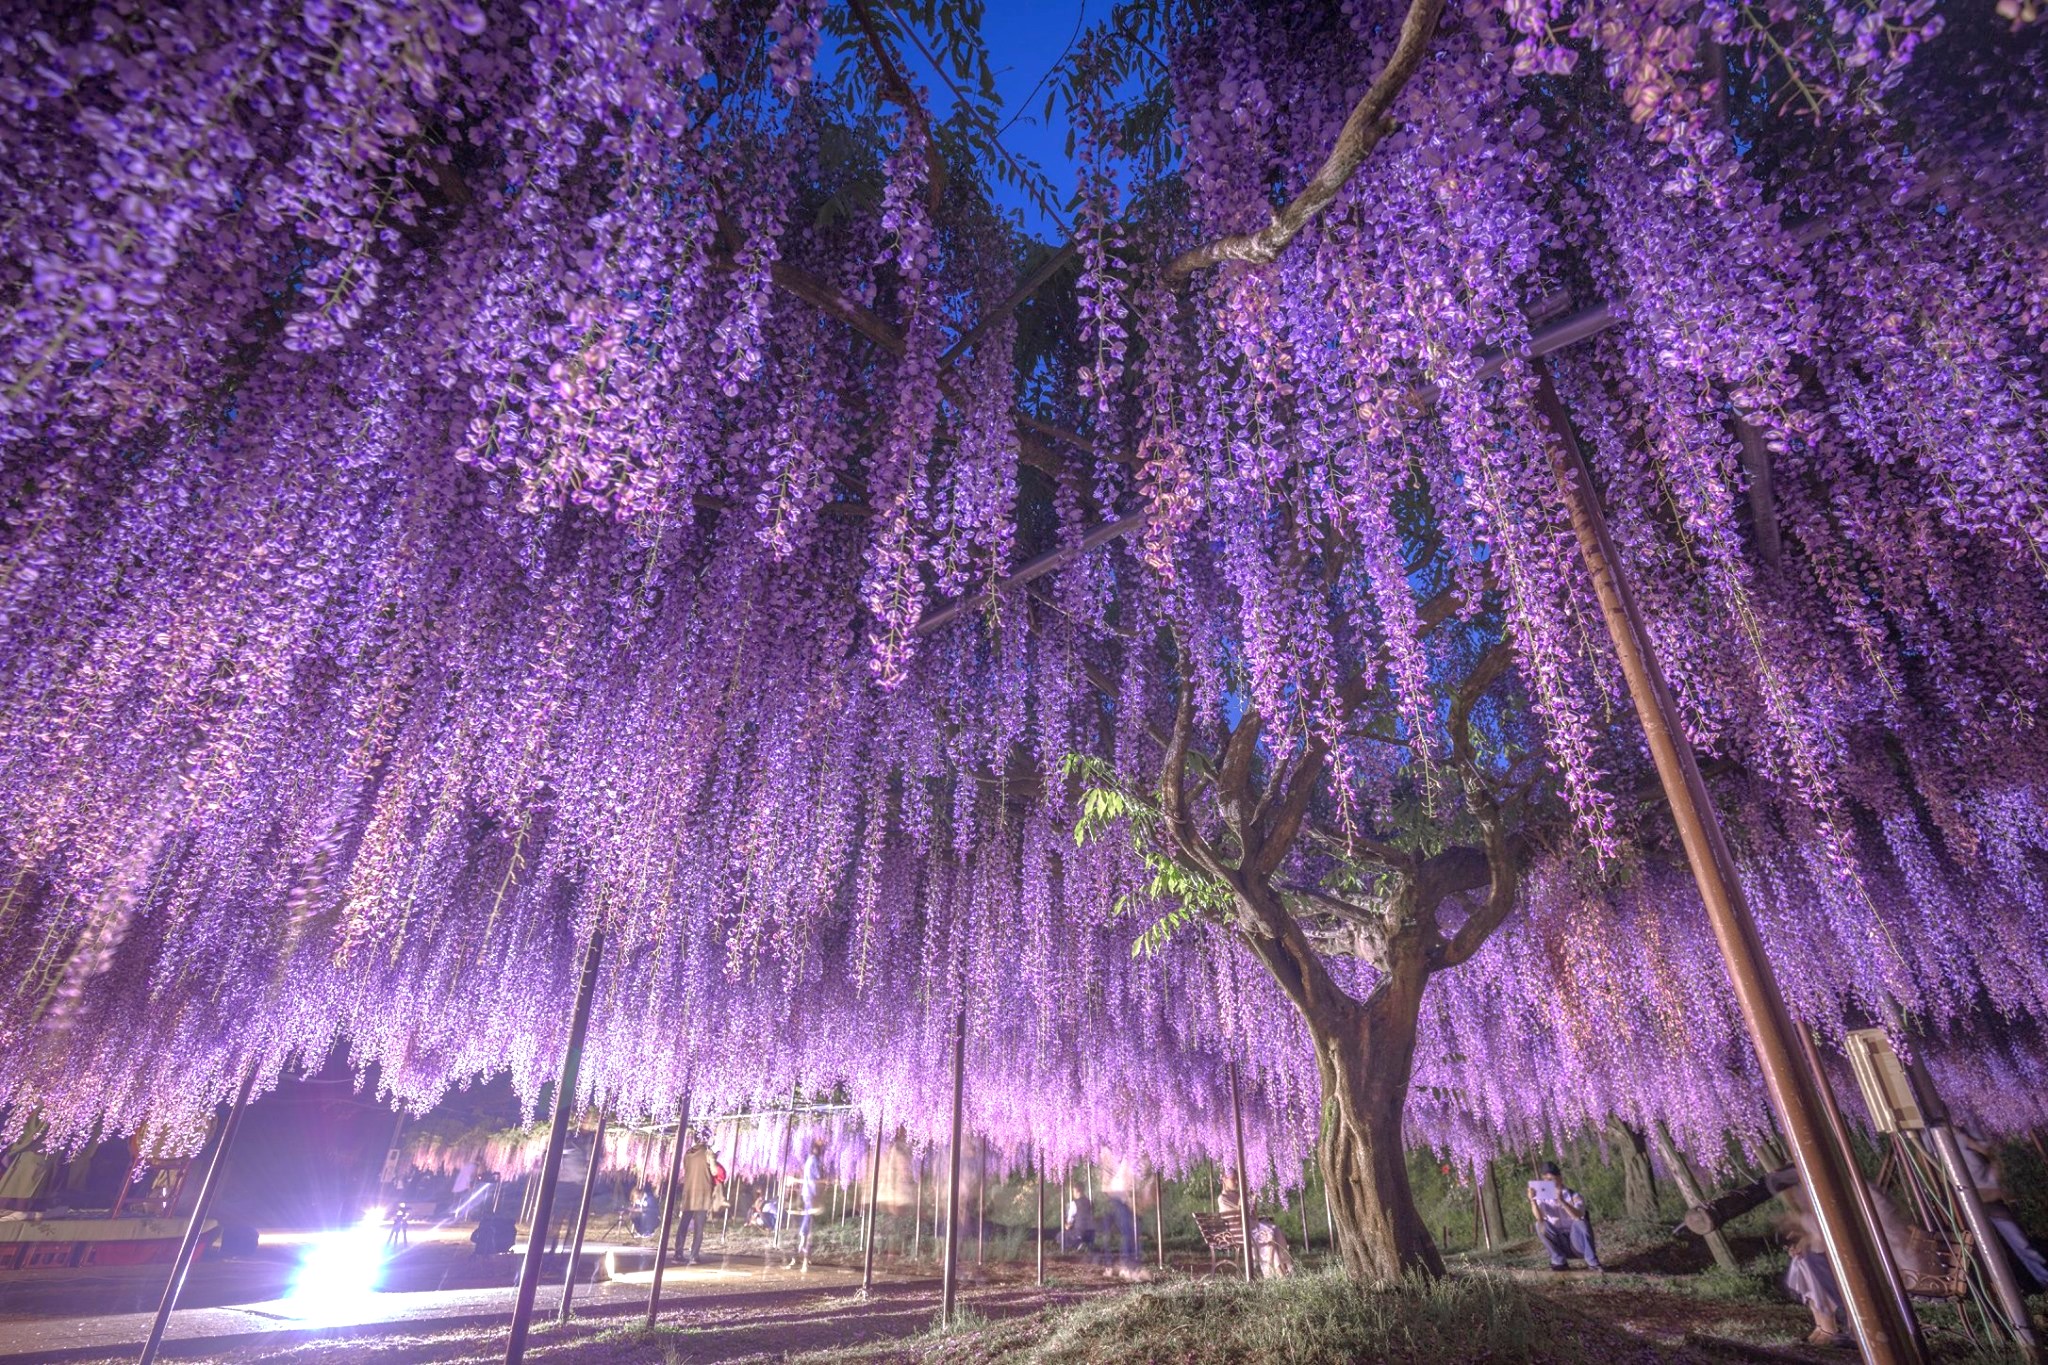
column 1173, row 795
column 1504, row 876
column 1361, row 133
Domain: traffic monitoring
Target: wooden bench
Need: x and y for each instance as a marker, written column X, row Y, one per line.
column 1221, row 1232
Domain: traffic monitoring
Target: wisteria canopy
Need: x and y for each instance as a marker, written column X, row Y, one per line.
column 471, row 473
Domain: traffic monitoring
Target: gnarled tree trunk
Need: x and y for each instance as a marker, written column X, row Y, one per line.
column 1365, row 1051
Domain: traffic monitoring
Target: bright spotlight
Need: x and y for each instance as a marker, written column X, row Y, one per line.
column 338, row 1276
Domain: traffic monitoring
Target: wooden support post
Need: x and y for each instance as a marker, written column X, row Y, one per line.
column 950, row 1273
column 1038, row 1166
column 558, row 1133
column 981, row 1203
column 195, row 1230
column 1689, row 1188
column 1992, row 1252
column 917, row 1214
column 1886, row 1332
column 1244, row 1193
column 669, row 1196
column 1491, row 1222
column 867, row 1254
column 582, row 1215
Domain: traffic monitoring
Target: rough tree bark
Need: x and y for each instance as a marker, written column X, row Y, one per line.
column 1638, row 1181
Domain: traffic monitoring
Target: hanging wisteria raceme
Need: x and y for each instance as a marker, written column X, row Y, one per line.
column 471, row 476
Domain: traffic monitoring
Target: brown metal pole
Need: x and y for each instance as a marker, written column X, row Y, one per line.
column 1886, row 1335
column 558, row 1133
column 867, row 1256
column 950, row 1274
column 582, row 1216
column 1866, row 1207
column 668, row 1207
column 1244, row 1194
column 188, row 1246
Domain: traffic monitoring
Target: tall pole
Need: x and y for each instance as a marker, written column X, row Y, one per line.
column 558, row 1133
column 1039, row 1165
column 1159, row 1216
column 981, row 1202
column 188, row 1246
column 1880, row 1324
column 917, row 1213
column 1244, row 1194
column 780, row 1188
column 1992, row 1250
column 668, row 1207
column 867, row 1255
column 949, row 1275
column 582, row 1215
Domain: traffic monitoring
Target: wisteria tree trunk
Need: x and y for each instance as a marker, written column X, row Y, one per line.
column 1365, row 1048
column 1366, row 1055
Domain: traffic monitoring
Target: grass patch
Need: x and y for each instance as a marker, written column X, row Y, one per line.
column 1318, row 1319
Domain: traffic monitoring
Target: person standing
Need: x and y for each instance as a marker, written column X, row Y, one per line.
column 1077, row 1229
column 699, row 1175
column 1562, row 1220
column 1119, row 1187
column 807, row 1180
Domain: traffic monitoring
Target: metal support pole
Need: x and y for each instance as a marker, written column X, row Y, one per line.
column 1992, row 1250
column 1244, row 1194
column 582, row 1216
column 1866, row 1207
column 867, row 1255
column 558, row 1133
column 950, row 1274
column 1884, row 1331
column 188, row 1246
column 780, row 1188
column 981, row 1203
column 668, row 1207
column 1039, row 1164
column 1159, row 1216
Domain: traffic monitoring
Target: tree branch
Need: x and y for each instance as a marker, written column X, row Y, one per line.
column 1504, row 877
column 1362, row 131
column 1026, row 287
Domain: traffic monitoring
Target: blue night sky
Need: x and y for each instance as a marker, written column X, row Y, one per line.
column 1025, row 41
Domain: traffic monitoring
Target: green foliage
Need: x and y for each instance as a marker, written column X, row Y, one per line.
column 1186, row 896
